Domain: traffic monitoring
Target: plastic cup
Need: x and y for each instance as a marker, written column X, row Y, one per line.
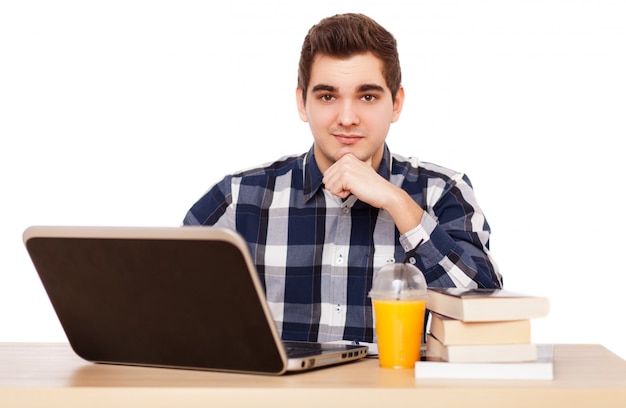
column 399, row 299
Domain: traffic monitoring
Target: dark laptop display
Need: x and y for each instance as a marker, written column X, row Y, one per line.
column 185, row 297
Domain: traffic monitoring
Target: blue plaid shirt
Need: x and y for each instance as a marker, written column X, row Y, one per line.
column 316, row 253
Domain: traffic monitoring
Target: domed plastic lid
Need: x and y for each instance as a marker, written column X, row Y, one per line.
column 398, row 281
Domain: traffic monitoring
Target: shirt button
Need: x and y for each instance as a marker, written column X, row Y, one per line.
column 340, row 260
column 412, row 260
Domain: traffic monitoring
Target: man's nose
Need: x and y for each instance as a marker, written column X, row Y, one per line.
column 348, row 114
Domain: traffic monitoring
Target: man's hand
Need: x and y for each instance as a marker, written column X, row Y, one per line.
column 350, row 175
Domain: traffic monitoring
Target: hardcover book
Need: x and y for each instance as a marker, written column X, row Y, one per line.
column 476, row 305
column 540, row 369
column 453, row 331
column 480, row 353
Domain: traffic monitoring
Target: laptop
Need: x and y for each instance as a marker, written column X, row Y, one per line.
column 176, row 297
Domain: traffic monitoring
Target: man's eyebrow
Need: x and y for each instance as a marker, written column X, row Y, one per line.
column 361, row 88
column 371, row 87
column 323, row 88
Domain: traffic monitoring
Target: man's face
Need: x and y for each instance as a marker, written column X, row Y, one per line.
column 349, row 108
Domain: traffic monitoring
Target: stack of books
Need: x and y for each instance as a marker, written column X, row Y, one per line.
column 484, row 334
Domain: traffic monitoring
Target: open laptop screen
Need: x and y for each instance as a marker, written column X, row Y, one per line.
column 188, row 303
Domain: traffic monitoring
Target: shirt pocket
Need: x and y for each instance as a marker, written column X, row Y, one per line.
column 381, row 260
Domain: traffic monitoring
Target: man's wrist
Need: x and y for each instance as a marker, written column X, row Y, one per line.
column 406, row 213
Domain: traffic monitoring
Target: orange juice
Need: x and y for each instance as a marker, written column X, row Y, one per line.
column 399, row 326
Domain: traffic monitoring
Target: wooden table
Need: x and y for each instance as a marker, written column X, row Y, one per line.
column 51, row 375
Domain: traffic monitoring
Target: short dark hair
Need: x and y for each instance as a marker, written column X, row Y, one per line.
column 346, row 35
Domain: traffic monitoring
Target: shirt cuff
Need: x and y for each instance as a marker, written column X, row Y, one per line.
column 412, row 238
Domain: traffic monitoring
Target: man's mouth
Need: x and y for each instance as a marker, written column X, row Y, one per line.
column 348, row 139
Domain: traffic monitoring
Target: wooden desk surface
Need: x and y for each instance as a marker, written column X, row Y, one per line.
column 50, row 375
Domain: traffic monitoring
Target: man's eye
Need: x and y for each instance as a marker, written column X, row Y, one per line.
column 369, row 98
column 326, row 98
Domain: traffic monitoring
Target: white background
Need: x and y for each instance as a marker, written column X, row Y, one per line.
column 126, row 112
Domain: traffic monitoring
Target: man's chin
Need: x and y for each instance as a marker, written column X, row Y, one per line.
column 345, row 151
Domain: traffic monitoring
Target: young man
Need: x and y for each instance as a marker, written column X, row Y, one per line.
column 320, row 224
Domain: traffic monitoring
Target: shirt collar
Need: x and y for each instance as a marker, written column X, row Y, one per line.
column 313, row 175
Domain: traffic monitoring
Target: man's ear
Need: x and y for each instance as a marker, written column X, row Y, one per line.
column 301, row 104
column 397, row 104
